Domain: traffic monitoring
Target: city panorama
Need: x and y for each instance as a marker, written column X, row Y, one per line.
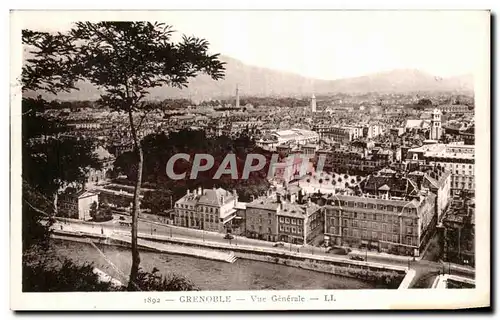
column 153, row 161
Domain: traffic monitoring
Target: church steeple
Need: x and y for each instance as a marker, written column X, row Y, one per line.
column 436, row 129
column 237, row 97
column 313, row 103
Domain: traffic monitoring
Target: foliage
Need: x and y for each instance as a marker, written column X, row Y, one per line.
column 157, row 201
column 424, row 102
column 42, row 276
column 36, row 220
column 58, row 162
column 153, row 281
column 159, row 148
column 93, row 210
column 124, row 60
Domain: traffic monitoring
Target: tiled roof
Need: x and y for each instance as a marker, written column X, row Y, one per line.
column 211, row 197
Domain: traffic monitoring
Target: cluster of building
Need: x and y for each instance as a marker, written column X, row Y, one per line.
column 404, row 163
column 395, row 212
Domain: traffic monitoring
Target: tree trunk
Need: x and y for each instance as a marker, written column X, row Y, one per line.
column 136, row 260
column 56, row 194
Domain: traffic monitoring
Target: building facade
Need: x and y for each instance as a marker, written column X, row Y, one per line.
column 260, row 219
column 205, row 209
column 436, row 129
column 77, row 205
column 458, row 159
column 387, row 225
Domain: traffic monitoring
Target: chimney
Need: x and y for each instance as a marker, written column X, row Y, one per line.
column 222, row 199
column 188, row 192
column 292, row 198
column 200, row 191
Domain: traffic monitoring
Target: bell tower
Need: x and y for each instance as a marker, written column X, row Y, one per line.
column 436, row 129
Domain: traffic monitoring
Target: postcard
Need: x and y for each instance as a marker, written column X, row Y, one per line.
column 250, row 160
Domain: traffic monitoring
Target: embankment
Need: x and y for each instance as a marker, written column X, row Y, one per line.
column 380, row 274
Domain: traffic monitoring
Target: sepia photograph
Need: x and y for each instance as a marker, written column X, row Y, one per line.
column 250, row 160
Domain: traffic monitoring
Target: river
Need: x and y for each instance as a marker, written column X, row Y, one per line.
column 207, row 274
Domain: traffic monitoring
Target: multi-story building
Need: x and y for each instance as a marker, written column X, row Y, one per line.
column 394, row 213
column 458, row 159
column 438, row 180
column 205, row 209
column 297, row 136
column 455, row 108
column 292, row 137
column 260, row 219
column 77, row 205
column 309, row 149
column 372, row 131
column 389, row 225
column 299, row 223
column 355, row 161
column 339, row 134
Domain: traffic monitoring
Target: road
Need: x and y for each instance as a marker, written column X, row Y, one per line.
column 424, row 268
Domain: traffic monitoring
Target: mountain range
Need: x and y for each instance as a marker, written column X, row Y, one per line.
column 257, row 81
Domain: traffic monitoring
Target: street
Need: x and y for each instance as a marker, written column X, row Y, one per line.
column 423, row 268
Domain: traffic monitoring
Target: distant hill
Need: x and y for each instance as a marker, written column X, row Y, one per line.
column 256, row 81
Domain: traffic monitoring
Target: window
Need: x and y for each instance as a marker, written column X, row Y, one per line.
column 269, row 221
column 408, row 230
column 293, row 221
column 268, row 230
column 345, row 223
column 394, row 238
column 384, row 237
column 282, row 219
column 281, row 228
column 355, row 223
column 287, row 229
column 374, row 235
column 287, row 220
column 294, row 230
column 365, row 235
column 269, row 214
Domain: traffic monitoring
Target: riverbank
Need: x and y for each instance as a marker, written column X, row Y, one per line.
column 206, row 274
column 378, row 274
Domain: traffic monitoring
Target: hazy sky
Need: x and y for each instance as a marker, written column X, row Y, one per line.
column 322, row 44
